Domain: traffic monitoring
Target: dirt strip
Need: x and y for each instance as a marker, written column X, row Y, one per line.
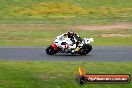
column 105, row 27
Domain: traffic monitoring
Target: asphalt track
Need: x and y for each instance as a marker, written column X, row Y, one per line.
column 104, row 53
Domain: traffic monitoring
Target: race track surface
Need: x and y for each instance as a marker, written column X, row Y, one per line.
column 107, row 53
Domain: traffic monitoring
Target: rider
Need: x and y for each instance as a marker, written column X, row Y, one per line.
column 73, row 36
column 70, row 35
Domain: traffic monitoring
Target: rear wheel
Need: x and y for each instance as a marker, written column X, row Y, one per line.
column 88, row 48
column 85, row 49
column 50, row 50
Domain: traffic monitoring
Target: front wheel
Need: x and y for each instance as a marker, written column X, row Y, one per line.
column 50, row 50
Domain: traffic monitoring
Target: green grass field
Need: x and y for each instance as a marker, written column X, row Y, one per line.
column 38, row 22
column 46, row 74
column 65, row 11
column 44, row 35
column 54, row 17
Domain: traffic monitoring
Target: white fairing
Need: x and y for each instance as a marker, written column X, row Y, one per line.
column 59, row 39
column 68, row 41
column 87, row 40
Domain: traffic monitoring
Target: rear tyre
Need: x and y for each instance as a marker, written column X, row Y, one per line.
column 50, row 50
column 85, row 49
column 88, row 48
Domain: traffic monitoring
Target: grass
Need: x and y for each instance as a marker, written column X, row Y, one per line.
column 65, row 11
column 46, row 74
column 38, row 22
column 44, row 35
column 54, row 17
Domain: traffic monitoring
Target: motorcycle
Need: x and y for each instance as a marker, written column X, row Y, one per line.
column 65, row 45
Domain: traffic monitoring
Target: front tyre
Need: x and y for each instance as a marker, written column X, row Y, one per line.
column 50, row 50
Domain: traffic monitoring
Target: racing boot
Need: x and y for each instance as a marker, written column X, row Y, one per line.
column 77, row 49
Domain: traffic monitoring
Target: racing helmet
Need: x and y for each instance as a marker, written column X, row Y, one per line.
column 71, row 32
